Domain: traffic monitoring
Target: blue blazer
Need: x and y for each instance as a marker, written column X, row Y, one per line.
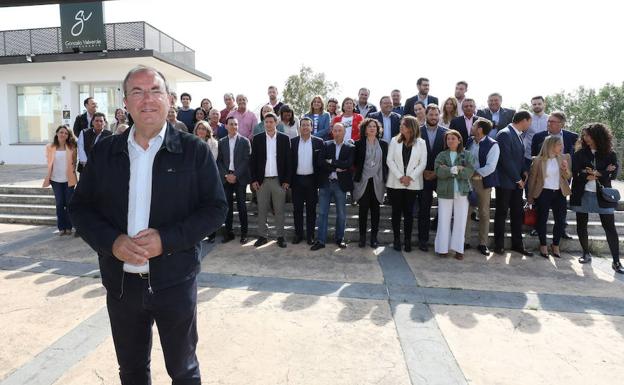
column 432, row 153
column 395, row 121
column 569, row 139
column 511, row 163
column 323, row 128
column 459, row 124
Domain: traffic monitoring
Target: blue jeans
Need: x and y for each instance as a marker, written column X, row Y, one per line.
column 325, row 197
column 62, row 196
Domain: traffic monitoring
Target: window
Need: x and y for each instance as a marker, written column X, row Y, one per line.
column 107, row 96
column 38, row 112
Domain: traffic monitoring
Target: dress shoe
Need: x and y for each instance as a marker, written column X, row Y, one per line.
column 260, row 241
column 297, row 239
column 499, row 250
column 423, row 247
column 459, row 256
column 362, row 243
column 483, row 249
column 317, row 246
column 586, row 258
column 373, row 242
column 523, row 251
column 617, row 266
column 310, row 241
column 533, row 233
column 434, row 222
column 408, row 246
column 473, row 216
column 565, row 235
column 467, row 246
column 212, row 237
column 227, row 237
column 542, row 253
column 341, row 243
column 281, row 242
column 557, row 254
column 243, row 239
column 396, row 244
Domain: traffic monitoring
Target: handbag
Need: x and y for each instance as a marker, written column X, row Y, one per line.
column 530, row 216
column 609, row 195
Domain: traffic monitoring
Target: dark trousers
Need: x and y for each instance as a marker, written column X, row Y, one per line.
column 175, row 312
column 62, row 196
column 304, row 192
column 425, row 199
column 508, row 200
column 241, row 195
column 608, row 224
column 547, row 200
column 367, row 202
column 402, row 204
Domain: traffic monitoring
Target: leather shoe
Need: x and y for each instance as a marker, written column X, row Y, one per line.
column 341, row 243
column 281, row 242
column 310, row 241
column 211, row 238
column 397, row 244
column 467, row 246
column 243, row 239
column 586, row 258
column 499, row 250
column 523, row 251
column 408, row 246
column 533, row 233
column 373, row 242
column 459, row 256
column 317, row 246
column 473, row 216
column 483, row 250
column 227, row 237
column 297, row 239
column 362, row 243
column 617, row 266
column 260, row 241
column 423, row 247
column 565, row 235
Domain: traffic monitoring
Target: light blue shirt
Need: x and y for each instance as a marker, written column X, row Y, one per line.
column 387, row 127
column 538, row 124
column 491, row 159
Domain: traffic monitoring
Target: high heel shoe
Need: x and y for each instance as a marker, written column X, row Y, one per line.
column 586, row 258
column 617, row 266
column 555, row 254
column 545, row 255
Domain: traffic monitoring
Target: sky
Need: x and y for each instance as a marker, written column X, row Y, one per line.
column 517, row 48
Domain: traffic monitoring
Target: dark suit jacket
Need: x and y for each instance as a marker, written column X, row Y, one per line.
column 569, row 139
column 360, row 156
column 432, row 153
column 584, row 158
column 258, row 157
column 317, row 150
column 505, row 116
column 395, row 121
column 89, row 141
column 186, row 206
column 80, row 124
column 511, row 163
column 242, row 153
column 371, row 109
column 344, row 161
column 409, row 104
column 459, row 124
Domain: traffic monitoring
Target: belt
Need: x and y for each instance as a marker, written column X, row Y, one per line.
column 270, row 177
column 140, row 275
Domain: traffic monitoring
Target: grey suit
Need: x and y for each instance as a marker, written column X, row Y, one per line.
column 504, row 119
column 243, row 177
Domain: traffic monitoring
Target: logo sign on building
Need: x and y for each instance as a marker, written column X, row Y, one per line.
column 82, row 27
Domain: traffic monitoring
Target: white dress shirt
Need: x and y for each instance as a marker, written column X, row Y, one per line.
column 270, row 169
column 232, row 144
column 140, row 188
column 82, row 154
column 538, row 124
column 333, row 175
column 551, row 181
column 304, row 160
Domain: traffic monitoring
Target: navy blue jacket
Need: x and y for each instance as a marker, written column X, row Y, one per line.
column 459, row 123
column 432, row 153
column 484, row 149
column 395, row 121
column 569, row 139
column 344, row 161
column 187, row 204
column 505, row 117
column 409, row 104
column 511, row 163
column 317, row 150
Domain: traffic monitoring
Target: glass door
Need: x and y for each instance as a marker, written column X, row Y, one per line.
column 108, row 96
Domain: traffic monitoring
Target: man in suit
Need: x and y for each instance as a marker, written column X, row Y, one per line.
column 270, row 177
column 85, row 120
column 363, row 107
column 500, row 117
column 161, row 201
column 423, row 96
column 335, row 179
column 233, row 163
column 396, row 102
column 389, row 120
column 460, row 94
column 89, row 137
column 463, row 123
column 556, row 122
column 433, row 135
column 512, row 176
column 306, row 151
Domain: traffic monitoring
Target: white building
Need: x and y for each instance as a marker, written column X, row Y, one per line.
column 38, row 81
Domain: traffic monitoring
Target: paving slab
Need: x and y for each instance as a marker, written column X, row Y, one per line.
column 295, row 261
column 248, row 338
column 38, row 309
column 519, row 347
column 512, row 272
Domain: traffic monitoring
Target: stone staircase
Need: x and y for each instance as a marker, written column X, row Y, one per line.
column 35, row 206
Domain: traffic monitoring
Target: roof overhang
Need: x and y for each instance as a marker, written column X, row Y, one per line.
column 182, row 72
column 18, row 3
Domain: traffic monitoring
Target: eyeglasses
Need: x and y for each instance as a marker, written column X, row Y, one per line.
column 554, row 121
column 140, row 94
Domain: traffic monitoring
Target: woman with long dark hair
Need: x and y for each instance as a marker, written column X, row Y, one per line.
column 288, row 122
column 62, row 156
column 594, row 166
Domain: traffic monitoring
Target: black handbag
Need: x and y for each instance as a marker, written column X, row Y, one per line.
column 610, row 196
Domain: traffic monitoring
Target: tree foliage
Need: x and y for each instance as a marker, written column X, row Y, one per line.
column 302, row 87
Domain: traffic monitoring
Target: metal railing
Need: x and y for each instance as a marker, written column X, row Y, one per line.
column 119, row 37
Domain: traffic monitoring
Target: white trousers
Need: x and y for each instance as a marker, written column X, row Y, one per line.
column 447, row 238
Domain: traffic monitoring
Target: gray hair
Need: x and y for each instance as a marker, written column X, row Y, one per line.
column 142, row 68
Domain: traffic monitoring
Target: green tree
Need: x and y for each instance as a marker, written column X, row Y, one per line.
column 302, row 87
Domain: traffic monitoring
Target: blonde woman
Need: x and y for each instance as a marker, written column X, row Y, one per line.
column 62, row 157
column 449, row 111
column 549, row 185
column 204, row 132
column 407, row 159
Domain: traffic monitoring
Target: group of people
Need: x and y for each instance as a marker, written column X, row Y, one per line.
column 148, row 196
column 397, row 155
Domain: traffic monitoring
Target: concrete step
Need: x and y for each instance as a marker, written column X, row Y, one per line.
column 25, row 190
column 26, row 209
column 37, row 220
column 25, row 199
